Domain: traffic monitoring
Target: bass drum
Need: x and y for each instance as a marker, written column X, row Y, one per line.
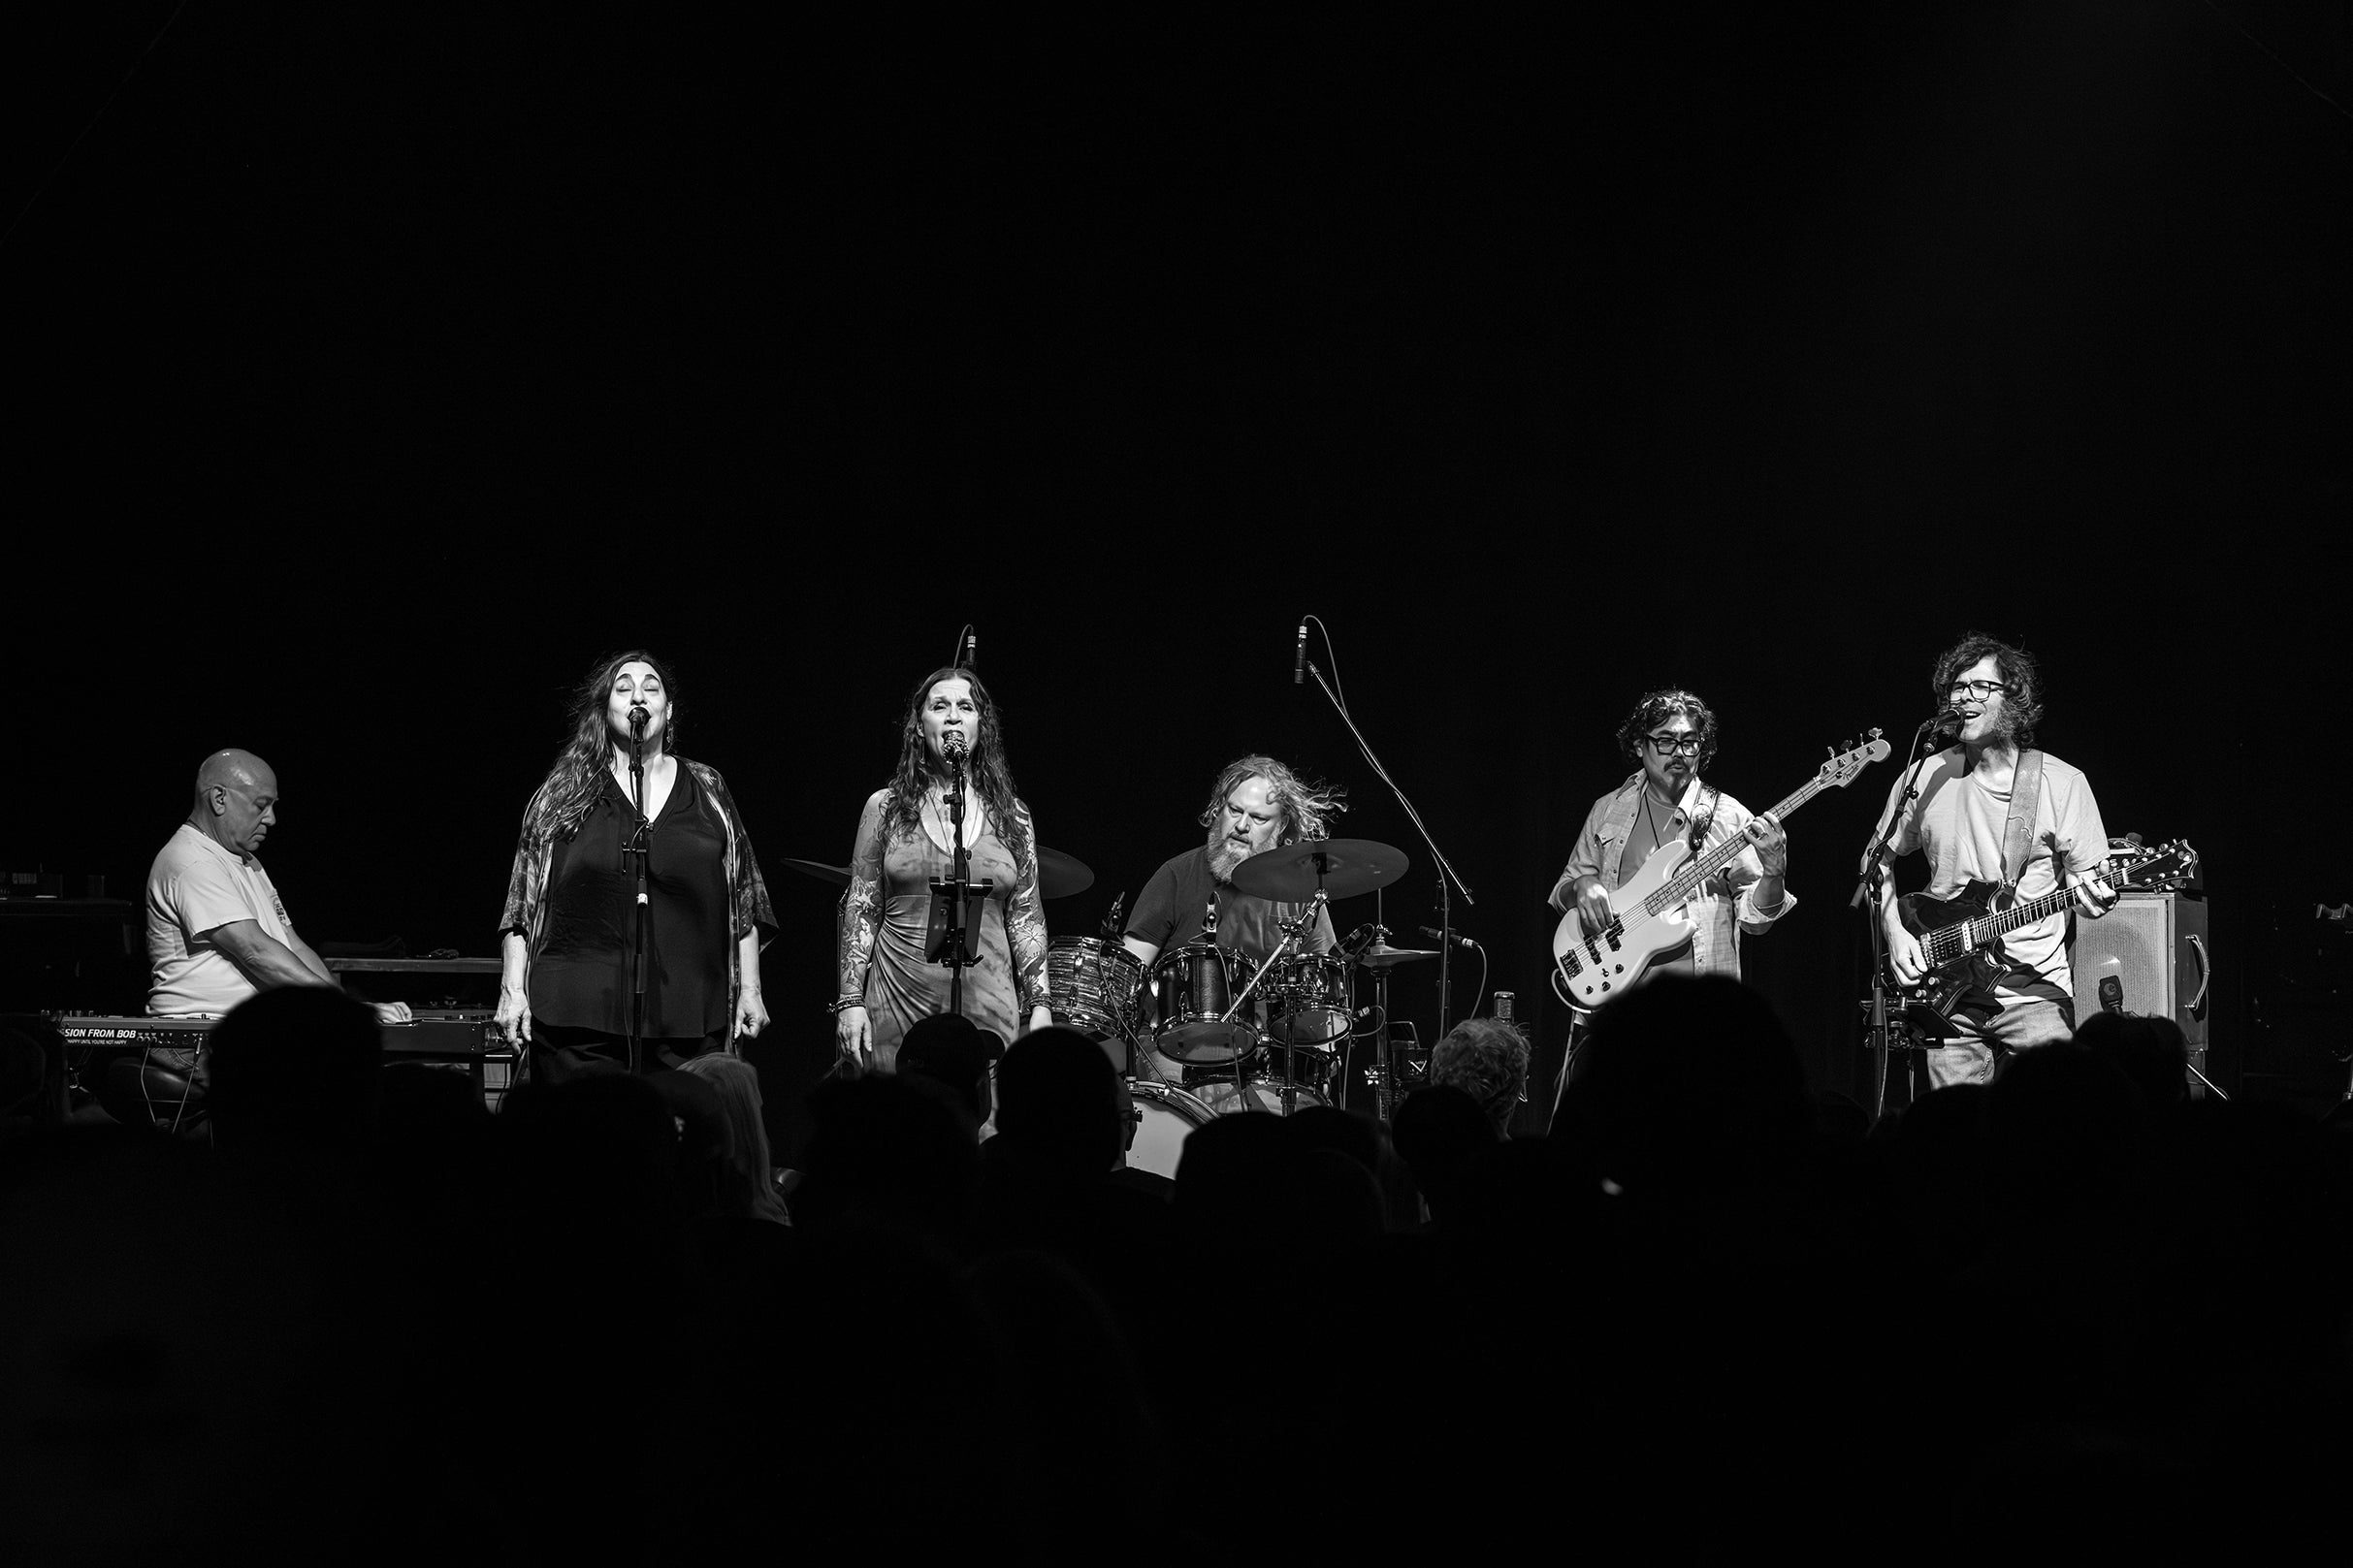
column 1192, row 988
column 1165, row 1116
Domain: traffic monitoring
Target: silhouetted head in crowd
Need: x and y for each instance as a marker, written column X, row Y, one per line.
column 1058, row 1095
column 2062, row 1122
column 1263, row 1184
column 2153, row 1053
column 1328, row 1127
column 296, row 1066
column 1437, row 1132
column 746, row 1181
column 953, row 1052
column 883, row 1152
column 1689, row 1078
column 1487, row 1059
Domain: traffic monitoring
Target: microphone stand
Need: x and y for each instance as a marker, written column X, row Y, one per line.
column 1446, row 871
column 953, row 944
column 637, row 915
column 1867, row 898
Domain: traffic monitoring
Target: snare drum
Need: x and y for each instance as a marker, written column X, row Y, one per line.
column 1192, row 989
column 1164, row 1117
column 1308, row 1007
column 1097, row 988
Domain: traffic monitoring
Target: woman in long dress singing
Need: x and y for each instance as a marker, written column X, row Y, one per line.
column 886, row 981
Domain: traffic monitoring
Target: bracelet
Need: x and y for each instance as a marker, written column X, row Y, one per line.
column 837, row 1009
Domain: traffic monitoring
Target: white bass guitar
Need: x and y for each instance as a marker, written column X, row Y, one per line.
column 1648, row 918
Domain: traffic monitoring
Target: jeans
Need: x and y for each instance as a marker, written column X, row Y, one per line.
column 1987, row 1027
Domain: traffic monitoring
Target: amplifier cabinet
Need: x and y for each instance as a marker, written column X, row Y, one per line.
column 2155, row 945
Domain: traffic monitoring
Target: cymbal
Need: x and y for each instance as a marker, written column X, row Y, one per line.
column 1380, row 956
column 1059, row 874
column 1347, row 866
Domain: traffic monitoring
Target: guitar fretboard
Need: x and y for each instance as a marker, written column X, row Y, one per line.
column 1953, row 941
column 1678, row 891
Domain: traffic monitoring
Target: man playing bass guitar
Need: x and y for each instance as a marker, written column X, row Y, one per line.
column 1672, row 735
column 1988, row 809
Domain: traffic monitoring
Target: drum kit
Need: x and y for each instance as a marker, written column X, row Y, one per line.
column 1202, row 1032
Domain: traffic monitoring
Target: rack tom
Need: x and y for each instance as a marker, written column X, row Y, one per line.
column 1192, row 991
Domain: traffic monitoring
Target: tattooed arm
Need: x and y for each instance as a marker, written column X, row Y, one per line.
column 861, row 922
column 1025, row 937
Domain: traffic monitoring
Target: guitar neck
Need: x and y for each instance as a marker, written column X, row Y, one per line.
column 1711, row 861
column 2003, row 921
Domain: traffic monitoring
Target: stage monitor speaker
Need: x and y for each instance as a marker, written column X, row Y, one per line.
column 2154, row 944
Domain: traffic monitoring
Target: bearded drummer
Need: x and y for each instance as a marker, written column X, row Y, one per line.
column 1257, row 805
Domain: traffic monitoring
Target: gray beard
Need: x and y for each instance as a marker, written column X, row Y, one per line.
column 1224, row 857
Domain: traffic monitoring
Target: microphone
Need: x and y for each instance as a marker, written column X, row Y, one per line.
column 972, row 651
column 953, row 743
column 2111, row 994
column 1299, row 661
column 1459, row 942
column 637, row 717
column 1951, row 719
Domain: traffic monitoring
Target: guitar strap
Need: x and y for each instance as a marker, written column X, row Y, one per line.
column 2017, row 833
column 1704, row 818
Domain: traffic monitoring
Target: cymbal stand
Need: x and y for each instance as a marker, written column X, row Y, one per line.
column 1292, row 931
column 1446, row 871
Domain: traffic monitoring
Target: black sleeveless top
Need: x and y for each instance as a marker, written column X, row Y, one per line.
column 580, row 974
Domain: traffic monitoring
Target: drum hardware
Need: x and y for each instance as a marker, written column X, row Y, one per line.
column 1293, row 930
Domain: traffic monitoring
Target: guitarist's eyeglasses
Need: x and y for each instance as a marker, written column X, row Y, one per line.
column 1979, row 690
column 1668, row 744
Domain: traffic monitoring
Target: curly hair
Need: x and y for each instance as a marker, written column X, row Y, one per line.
column 1487, row 1059
column 903, row 814
column 1307, row 809
column 1655, row 708
column 573, row 783
column 2023, row 702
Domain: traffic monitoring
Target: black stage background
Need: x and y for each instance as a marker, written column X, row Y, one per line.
column 374, row 368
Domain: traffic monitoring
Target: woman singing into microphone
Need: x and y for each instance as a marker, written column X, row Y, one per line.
column 886, row 981
column 568, row 931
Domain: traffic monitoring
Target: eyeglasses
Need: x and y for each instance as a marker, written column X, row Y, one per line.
column 1979, row 690
column 1668, row 744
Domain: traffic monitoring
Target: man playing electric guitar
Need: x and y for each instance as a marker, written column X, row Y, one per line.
column 1970, row 817
column 1672, row 735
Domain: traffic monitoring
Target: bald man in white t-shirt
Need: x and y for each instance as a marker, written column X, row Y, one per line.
column 217, row 932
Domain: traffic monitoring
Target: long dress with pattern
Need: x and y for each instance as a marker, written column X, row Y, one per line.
column 885, row 917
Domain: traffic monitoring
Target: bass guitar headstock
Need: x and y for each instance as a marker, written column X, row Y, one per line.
column 1845, row 766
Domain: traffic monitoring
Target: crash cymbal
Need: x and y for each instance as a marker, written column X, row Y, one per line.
column 1380, row 956
column 1059, row 876
column 838, row 875
column 1342, row 867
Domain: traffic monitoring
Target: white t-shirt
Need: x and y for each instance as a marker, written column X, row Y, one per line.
column 194, row 889
column 1960, row 823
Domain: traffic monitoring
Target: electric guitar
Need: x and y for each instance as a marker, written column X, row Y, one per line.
column 1648, row 919
column 1960, row 937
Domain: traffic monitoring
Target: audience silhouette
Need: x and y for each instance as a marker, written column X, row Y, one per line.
column 1710, row 1310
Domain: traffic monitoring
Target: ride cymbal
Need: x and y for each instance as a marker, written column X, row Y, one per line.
column 1342, row 868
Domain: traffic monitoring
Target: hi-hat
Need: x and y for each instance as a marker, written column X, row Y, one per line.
column 1342, row 867
column 1058, row 875
column 1380, row 956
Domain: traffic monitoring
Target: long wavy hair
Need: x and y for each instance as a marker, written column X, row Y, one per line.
column 574, row 783
column 1307, row 808
column 1655, row 708
column 2022, row 703
column 903, row 812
